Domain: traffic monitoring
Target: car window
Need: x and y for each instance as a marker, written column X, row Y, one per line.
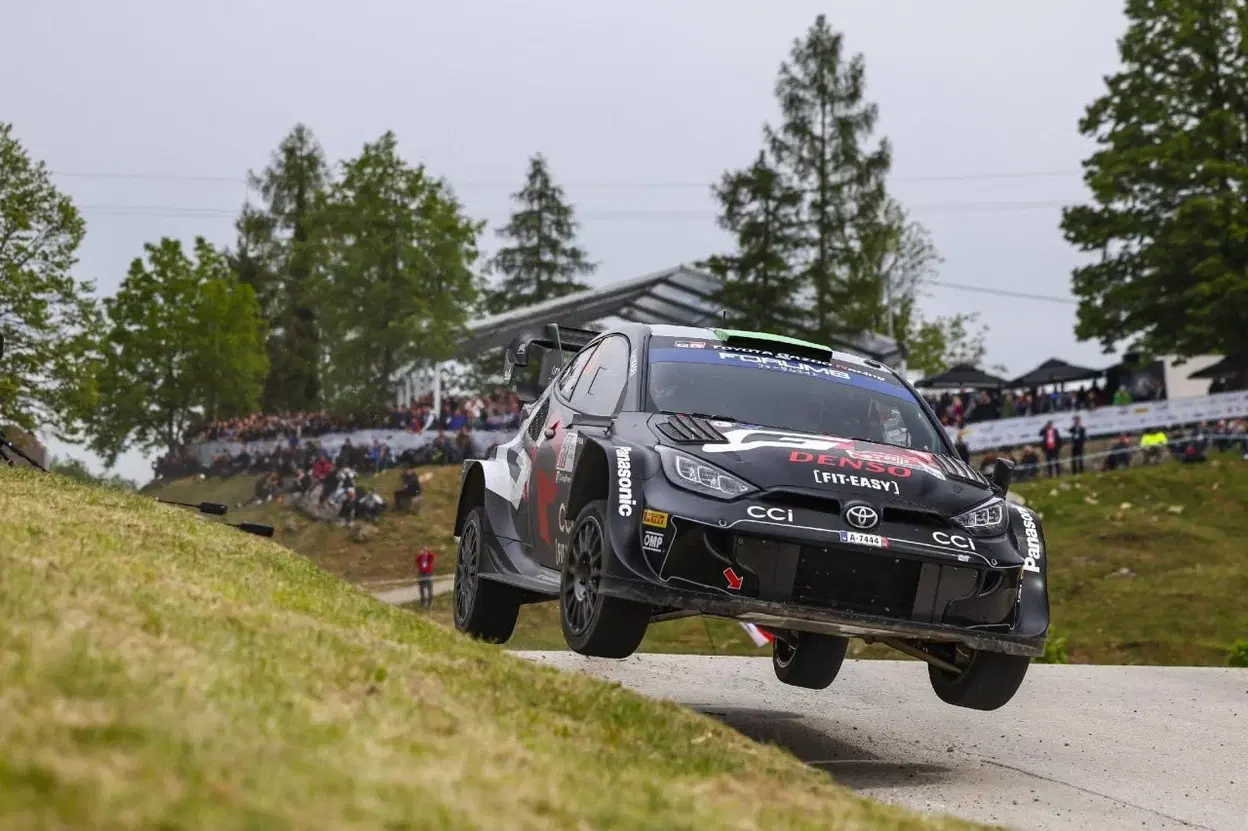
column 835, row 397
column 601, row 386
column 567, row 381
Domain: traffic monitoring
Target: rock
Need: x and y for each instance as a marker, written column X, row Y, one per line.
column 291, row 527
column 1090, row 500
column 361, row 532
column 1175, row 509
column 1123, row 572
column 1125, row 506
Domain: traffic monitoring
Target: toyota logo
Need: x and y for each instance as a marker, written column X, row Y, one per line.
column 862, row 516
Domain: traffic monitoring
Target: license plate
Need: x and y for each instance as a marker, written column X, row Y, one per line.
column 864, row 539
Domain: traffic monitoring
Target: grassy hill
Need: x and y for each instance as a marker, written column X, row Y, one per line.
column 160, row 671
column 1148, row 565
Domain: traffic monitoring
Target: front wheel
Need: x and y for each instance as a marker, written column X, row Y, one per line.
column 808, row 659
column 484, row 609
column 985, row 680
column 594, row 624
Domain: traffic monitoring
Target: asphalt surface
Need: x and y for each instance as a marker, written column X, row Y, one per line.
column 411, row 593
column 1080, row 747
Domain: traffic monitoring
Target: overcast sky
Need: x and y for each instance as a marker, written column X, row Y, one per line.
column 151, row 112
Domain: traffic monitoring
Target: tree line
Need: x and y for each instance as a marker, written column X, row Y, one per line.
column 342, row 274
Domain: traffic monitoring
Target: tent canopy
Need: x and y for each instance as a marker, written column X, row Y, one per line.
column 1055, row 371
column 1228, row 367
column 963, row 376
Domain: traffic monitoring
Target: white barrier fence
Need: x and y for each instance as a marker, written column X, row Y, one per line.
column 983, row 435
column 1106, row 421
column 398, row 440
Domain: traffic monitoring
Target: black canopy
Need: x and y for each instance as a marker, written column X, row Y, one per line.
column 963, row 376
column 1228, row 367
column 1055, row 371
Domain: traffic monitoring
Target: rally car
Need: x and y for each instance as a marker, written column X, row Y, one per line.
column 669, row 471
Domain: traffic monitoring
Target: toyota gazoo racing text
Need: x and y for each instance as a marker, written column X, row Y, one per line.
column 665, row 471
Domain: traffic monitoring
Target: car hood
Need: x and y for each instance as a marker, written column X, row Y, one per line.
column 843, row 469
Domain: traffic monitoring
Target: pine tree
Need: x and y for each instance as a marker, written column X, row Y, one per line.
column 278, row 255
column 821, row 145
column 759, row 283
column 401, row 251
column 1168, row 225
column 543, row 260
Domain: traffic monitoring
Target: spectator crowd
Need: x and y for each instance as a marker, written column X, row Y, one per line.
column 293, row 464
column 1186, row 443
column 961, row 409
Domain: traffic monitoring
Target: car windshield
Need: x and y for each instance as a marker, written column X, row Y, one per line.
column 771, row 389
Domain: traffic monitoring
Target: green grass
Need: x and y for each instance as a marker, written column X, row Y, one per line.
column 160, row 671
column 387, row 555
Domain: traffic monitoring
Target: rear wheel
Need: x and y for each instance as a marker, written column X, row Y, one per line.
column 985, row 680
column 808, row 659
column 594, row 624
column 483, row 609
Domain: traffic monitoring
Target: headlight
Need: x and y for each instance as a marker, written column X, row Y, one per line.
column 693, row 474
column 986, row 520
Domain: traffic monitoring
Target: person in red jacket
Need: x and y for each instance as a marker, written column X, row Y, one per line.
column 424, row 566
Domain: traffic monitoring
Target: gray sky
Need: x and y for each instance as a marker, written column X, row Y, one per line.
column 638, row 107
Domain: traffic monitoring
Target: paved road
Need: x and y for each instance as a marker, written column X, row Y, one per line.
column 1086, row 748
column 411, row 593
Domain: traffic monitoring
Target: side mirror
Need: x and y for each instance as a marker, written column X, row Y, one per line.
column 1002, row 473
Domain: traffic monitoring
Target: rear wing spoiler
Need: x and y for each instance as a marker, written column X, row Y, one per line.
column 552, row 340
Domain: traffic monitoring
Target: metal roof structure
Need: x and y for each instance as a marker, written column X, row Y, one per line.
column 680, row 296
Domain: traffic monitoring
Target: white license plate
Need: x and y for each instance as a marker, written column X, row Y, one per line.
column 864, row 539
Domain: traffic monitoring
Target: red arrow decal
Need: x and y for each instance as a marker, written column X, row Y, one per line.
column 734, row 581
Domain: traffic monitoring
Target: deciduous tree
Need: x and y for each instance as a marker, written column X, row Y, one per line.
column 1167, row 225
column 48, row 318
column 401, row 250
column 185, row 343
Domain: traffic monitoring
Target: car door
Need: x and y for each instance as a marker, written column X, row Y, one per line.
column 546, row 427
column 596, row 387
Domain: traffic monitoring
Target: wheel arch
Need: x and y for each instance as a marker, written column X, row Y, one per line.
column 592, row 478
column 471, row 494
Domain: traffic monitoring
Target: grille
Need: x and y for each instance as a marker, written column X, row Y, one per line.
column 848, row 580
column 911, row 516
column 806, row 501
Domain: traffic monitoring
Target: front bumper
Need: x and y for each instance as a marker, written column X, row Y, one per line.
column 800, row 572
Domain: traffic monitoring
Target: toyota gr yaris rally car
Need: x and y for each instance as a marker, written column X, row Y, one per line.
column 665, row 471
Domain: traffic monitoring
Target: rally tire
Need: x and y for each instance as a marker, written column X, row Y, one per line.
column 808, row 659
column 987, row 682
column 483, row 609
column 594, row 624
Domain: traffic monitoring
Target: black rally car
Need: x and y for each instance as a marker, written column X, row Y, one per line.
column 665, row 471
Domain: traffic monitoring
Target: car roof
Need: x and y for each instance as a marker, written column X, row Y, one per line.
column 664, row 330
